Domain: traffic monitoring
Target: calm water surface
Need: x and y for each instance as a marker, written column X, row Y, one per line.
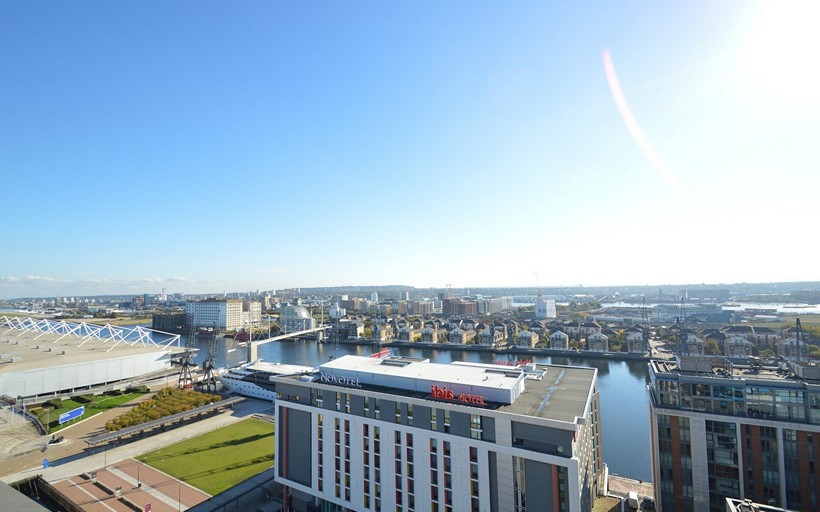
column 622, row 386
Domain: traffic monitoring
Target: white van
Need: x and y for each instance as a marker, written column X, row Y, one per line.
column 632, row 500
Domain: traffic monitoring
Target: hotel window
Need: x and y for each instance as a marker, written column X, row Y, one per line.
column 433, row 420
column 319, row 442
column 398, row 412
column 446, row 421
column 476, row 431
column 347, row 403
column 338, row 401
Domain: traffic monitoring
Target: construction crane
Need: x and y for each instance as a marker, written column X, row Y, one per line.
column 801, row 338
column 209, row 380
column 683, row 342
column 186, row 380
column 645, row 328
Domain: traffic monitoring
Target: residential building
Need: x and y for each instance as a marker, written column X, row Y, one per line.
column 559, row 340
column 430, row 335
column 737, row 346
column 793, row 349
column 371, row 434
column 722, row 430
column 526, row 339
column 422, row 307
column 406, row 333
column 491, row 337
column 598, row 342
column 634, row 342
column 382, row 332
column 295, row 318
column 461, row 337
column 222, row 314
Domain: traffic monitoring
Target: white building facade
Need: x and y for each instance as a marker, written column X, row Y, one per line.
column 295, row 318
column 395, row 434
column 222, row 314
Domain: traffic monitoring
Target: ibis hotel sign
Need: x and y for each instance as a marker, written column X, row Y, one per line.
column 336, row 379
column 444, row 393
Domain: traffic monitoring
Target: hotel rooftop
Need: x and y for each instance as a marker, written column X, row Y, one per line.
column 560, row 393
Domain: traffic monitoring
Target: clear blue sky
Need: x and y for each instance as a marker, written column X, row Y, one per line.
column 208, row 146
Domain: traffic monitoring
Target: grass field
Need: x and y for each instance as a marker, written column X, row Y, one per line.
column 218, row 460
column 50, row 417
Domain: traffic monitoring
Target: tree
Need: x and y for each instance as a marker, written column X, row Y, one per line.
column 711, row 347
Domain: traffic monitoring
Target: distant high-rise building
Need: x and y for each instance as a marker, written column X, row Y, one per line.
column 374, row 297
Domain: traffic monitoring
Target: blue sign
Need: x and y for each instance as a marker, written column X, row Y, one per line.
column 72, row 414
column 45, row 463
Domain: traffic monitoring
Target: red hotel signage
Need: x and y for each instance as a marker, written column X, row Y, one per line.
column 447, row 394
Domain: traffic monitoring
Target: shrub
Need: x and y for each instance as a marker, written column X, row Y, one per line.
column 166, row 402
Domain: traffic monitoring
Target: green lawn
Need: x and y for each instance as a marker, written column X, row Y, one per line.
column 218, row 460
column 50, row 418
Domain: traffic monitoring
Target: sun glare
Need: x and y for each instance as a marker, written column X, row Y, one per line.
column 780, row 56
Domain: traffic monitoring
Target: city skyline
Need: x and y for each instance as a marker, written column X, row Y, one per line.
column 205, row 147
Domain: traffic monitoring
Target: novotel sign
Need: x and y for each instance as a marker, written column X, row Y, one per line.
column 335, row 379
column 445, row 393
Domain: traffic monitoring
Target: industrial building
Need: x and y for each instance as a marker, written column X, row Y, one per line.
column 743, row 431
column 369, row 433
column 42, row 357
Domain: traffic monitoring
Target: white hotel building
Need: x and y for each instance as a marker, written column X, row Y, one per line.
column 371, row 434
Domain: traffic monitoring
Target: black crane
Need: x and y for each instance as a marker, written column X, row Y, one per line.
column 209, row 380
column 186, row 380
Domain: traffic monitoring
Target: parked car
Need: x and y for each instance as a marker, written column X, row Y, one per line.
column 648, row 503
column 632, row 500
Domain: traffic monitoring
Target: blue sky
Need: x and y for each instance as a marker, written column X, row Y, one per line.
column 208, row 146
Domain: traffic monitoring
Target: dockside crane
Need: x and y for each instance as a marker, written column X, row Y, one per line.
column 683, row 341
column 186, row 380
column 209, row 380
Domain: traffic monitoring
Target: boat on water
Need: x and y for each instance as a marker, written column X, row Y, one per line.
column 254, row 379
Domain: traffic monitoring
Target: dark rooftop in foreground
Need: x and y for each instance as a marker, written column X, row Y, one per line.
column 560, row 395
